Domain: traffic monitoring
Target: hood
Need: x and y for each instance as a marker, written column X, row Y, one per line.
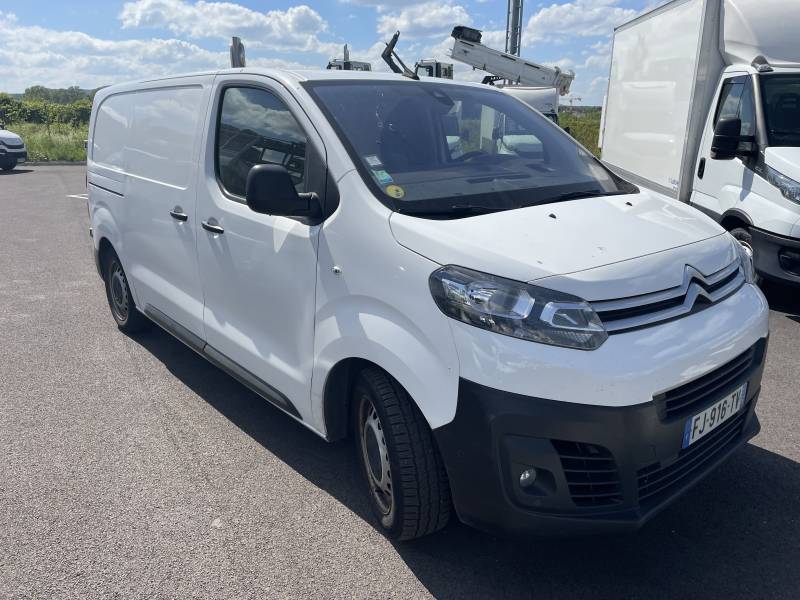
column 554, row 239
column 7, row 136
column 785, row 160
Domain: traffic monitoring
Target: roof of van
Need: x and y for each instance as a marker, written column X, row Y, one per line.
column 299, row 75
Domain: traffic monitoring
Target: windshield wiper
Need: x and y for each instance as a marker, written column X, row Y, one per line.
column 579, row 195
column 458, row 210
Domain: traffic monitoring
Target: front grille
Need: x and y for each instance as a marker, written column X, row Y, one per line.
column 688, row 398
column 697, row 292
column 591, row 473
column 658, row 479
column 14, row 146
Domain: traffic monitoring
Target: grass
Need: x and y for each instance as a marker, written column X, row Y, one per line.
column 584, row 127
column 61, row 142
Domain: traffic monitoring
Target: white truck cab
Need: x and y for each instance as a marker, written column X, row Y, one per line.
column 703, row 104
column 508, row 330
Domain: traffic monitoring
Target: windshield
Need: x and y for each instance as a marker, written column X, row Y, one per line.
column 442, row 149
column 781, row 98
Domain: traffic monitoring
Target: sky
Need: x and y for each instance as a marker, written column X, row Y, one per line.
column 60, row 43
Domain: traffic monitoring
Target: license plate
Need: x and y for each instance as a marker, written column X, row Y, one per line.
column 715, row 415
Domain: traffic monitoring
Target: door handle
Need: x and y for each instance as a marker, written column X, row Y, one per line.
column 178, row 214
column 212, row 227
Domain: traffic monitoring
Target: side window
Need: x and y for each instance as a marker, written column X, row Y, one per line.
column 736, row 100
column 729, row 98
column 255, row 127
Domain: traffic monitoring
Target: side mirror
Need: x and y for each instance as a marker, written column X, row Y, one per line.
column 727, row 136
column 270, row 191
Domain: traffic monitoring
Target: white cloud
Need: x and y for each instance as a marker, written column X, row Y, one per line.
column 295, row 28
column 383, row 5
column 423, row 20
column 580, row 18
column 65, row 58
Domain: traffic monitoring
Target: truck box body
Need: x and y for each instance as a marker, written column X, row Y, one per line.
column 665, row 68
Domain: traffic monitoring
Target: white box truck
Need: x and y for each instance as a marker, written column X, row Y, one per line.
column 703, row 105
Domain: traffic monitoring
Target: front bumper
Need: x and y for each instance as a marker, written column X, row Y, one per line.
column 19, row 155
column 600, row 469
column 777, row 257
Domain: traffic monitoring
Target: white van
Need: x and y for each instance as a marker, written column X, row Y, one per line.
column 703, row 105
column 513, row 333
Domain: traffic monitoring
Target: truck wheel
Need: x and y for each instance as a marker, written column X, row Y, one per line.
column 120, row 299
column 405, row 476
column 745, row 238
column 8, row 165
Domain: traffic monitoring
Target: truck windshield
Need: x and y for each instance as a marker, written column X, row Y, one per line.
column 781, row 97
column 444, row 150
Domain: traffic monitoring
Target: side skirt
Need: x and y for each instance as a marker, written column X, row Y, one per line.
column 222, row 362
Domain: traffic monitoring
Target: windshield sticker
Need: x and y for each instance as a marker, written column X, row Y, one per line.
column 395, row 191
column 382, row 176
column 373, row 161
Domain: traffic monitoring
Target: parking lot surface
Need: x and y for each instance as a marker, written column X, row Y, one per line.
column 130, row 467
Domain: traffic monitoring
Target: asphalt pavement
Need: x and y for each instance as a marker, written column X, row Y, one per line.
column 132, row 468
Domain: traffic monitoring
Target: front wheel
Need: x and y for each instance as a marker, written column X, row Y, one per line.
column 407, row 483
column 8, row 165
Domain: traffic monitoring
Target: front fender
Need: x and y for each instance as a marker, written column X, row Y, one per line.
column 424, row 363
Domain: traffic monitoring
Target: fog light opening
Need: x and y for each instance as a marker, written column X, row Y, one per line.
column 527, row 479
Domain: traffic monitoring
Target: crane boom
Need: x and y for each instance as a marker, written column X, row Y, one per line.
column 467, row 48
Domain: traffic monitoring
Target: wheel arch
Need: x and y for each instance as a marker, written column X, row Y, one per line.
column 734, row 218
column 337, row 396
column 104, row 249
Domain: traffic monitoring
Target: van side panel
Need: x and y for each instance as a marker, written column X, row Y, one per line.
column 145, row 148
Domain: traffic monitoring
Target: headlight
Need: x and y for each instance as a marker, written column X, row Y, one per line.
column 516, row 309
column 788, row 187
column 746, row 258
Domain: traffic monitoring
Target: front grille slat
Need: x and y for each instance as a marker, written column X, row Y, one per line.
column 688, row 398
column 656, row 479
column 715, row 377
column 697, row 292
column 591, row 473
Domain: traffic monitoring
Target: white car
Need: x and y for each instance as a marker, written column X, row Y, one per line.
column 12, row 150
column 524, row 339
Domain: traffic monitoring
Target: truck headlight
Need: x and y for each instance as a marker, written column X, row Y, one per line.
column 788, row 187
column 516, row 309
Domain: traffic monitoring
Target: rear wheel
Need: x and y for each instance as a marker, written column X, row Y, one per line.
column 9, row 164
column 120, row 299
column 407, row 483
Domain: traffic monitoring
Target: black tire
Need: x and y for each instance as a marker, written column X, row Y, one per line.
column 418, row 494
column 8, row 165
column 745, row 238
column 120, row 299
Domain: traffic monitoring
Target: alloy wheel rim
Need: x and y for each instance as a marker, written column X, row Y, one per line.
column 375, row 454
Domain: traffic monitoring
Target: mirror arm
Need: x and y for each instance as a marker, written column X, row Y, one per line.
column 314, row 210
